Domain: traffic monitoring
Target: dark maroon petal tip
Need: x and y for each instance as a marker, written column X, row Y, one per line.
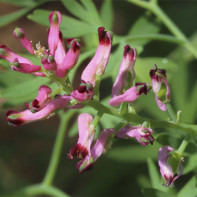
column 76, row 46
column 35, row 103
column 13, row 122
column 69, row 40
column 126, row 50
column 79, row 151
column 103, row 37
column 60, row 35
column 143, row 88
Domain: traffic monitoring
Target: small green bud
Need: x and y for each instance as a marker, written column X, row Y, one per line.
column 55, row 17
column 16, row 64
column 18, row 33
column 2, row 51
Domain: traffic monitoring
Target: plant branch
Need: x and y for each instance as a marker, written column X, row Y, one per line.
column 64, row 117
column 155, row 9
column 131, row 117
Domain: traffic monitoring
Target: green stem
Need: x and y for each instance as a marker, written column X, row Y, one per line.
column 161, row 37
column 39, row 189
column 130, row 117
column 57, row 147
column 183, row 146
column 155, row 9
column 171, row 111
column 96, row 88
column 97, row 118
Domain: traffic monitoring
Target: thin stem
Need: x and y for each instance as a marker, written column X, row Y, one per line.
column 57, row 147
column 130, row 117
column 96, row 88
column 161, row 37
column 171, row 111
column 183, row 146
column 97, row 118
column 155, row 9
column 38, row 189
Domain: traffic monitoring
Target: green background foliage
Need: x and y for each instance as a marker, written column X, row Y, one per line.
column 128, row 169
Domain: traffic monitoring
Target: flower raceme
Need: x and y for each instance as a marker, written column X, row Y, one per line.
column 169, row 169
column 160, row 87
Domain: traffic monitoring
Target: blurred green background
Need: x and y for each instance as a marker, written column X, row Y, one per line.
column 124, row 171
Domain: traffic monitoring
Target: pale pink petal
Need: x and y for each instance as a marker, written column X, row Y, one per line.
column 10, row 56
column 70, row 59
column 53, row 37
column 126, row 66
column 86, row 136
column 102, row 143
column 60, row 52
column 99, row 62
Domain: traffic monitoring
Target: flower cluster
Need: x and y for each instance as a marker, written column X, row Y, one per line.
column 56, row 62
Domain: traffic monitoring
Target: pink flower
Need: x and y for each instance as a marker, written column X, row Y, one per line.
column 84, row 92
column 19, row 63
column 41, row 100
column 130, row 95
column 86, row 155
column 143, row 135
column 102, row 144
column 160, row 87
column 165, row 168
column 44, row 109
column 20, row 35
column 70, row 58
column 125, row 71
column 99, row 62
column 86, row 136
column 55, row 19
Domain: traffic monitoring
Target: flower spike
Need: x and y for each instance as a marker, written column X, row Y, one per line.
column 126, row 68
column 99, row 62
column 166, row 169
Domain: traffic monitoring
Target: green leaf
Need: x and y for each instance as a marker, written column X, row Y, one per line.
column 107, row 14
column 128, row 153
column 8, row 18
column 92, row 13
column 70, row 27
column 154, row 175
column 190, row 163
column 86, row 12
column 189, row 189
column 143, row 26
column 150, row 192
column 19, row 2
